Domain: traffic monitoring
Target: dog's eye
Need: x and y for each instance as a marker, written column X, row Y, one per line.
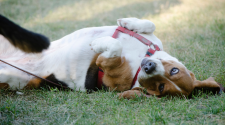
column 161, row 87
column 174, row 71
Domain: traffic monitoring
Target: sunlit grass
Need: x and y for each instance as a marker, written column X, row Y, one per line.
column 191, row 30
column 187, row 16
column 87, row 10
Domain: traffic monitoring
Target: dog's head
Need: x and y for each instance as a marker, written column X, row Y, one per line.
column 162, row 74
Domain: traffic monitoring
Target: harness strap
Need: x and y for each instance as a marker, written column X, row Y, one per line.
column 133, row 34
column 142, row 39
column 100, row 76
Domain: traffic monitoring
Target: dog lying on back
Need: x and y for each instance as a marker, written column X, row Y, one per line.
column 21, row 38
column 74, row 61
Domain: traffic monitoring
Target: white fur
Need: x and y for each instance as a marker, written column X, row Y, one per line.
column 69, row 57
column 19, row 93
column 164, row 56
column 109, row 49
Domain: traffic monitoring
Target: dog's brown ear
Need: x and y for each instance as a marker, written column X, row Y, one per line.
column 208, row 85
column 205, row 86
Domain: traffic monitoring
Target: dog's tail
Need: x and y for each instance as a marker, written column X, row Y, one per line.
column 21, row 38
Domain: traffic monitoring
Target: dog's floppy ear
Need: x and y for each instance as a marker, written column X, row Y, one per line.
column 208, row 85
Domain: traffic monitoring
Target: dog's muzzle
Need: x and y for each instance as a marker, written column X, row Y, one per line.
column 148, row 66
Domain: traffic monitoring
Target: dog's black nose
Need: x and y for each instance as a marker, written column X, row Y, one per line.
column 149, row 67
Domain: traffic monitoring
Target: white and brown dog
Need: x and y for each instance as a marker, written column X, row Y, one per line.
column 73, row 61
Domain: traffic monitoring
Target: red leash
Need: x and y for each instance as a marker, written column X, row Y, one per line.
column 145, row 41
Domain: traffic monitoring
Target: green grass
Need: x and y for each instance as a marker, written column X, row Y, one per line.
column 193, row 31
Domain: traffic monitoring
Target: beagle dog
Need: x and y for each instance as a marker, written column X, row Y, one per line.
column 74, row 61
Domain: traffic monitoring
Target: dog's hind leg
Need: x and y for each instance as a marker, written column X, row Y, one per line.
column 117, row 71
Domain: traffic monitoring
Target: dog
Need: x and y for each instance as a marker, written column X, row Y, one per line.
column 75, row 60
column 21, row 38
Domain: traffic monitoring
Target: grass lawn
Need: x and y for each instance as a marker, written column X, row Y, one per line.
column 191, row 30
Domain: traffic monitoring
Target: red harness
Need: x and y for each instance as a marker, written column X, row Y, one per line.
column 149, row 53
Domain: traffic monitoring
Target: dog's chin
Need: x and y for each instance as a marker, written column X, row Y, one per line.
column 142, row 75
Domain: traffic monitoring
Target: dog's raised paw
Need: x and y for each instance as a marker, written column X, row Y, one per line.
column 108, row 46
column 137, row 25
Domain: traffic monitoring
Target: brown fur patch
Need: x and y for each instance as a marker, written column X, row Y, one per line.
column 4, row 85
column 33, row 83
column 36, row 83
column 117, row 73
column 130, row 94
column 135, row 92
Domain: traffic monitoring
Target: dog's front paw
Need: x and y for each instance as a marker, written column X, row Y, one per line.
column 129, row 94
column 133, row 93
column 108, row 46
column 137, row 25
